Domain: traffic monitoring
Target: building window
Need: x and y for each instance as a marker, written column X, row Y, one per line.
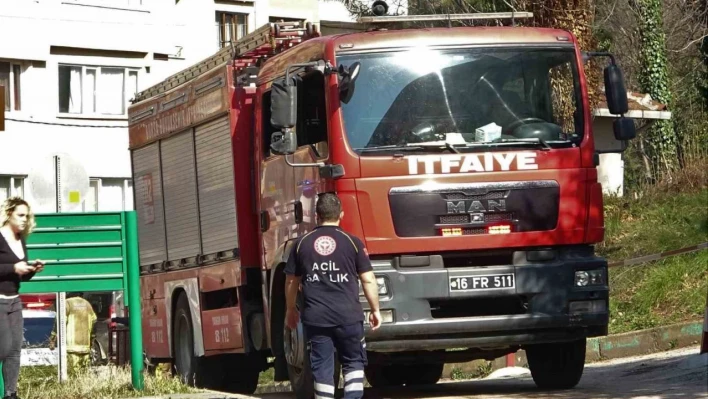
column 10, row 79
column 11, row 186
column 90, row 90
column 232, row 26
column 109, row 195
column 286, row 19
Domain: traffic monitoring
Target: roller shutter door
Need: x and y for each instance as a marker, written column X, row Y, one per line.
column 148, row 204
column 217, row 201
column 180, row 188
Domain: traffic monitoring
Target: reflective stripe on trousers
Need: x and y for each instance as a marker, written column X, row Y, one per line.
column 350, row 347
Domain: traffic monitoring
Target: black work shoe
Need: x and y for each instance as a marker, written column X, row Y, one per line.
column 11, row 396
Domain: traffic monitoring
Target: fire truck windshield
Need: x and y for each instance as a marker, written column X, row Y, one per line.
column 425, row 100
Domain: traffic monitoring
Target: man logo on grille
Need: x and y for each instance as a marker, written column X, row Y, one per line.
column 325, row 245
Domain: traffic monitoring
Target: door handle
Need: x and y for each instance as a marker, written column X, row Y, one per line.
column 299, row 215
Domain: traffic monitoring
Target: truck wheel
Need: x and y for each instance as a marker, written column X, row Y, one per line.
column 186, row 364
column 381, row 376
column 558, row 365
column 97, row 358
column 424, row 374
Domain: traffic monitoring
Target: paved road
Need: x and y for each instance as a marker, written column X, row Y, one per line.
column 680, row 373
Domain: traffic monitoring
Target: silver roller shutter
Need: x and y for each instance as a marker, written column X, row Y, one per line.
column 180, row 196
column 217, row 198
column 148, row 204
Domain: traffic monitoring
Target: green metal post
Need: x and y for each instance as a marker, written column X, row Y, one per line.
column 133, row 293
column 2, row 384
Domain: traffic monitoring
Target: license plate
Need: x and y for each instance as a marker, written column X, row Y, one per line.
column 482, row 283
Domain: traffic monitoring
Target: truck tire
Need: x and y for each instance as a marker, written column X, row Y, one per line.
column 557, row 365
column 382, row 376
column 423, row 374
column 186, row 364
column 97, row 358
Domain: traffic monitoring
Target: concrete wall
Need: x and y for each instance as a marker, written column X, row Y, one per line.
column 610, row 172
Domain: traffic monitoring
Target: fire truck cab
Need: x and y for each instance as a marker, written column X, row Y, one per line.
column 464, row 159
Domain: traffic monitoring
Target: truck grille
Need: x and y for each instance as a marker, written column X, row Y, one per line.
column 455, row 219
column 476, row 307
column 475, row 231
column 420, row 211
column 498, row 217
column 488, row 218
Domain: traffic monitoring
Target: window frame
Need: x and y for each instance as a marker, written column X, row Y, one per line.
column 222, row 27
column 98, row 181
column 347, row 57
column 13, row 101
column 127, row 95
column 13, row 178
column 306, row 102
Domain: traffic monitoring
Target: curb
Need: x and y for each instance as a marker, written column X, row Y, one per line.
column 645, row 342
column 633, row 343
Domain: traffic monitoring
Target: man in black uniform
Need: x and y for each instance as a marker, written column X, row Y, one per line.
column 328, row 263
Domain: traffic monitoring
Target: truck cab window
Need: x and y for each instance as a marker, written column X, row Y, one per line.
column 312, row 114
column 267, row 129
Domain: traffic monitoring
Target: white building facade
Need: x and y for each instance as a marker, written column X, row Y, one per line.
column 71, row 67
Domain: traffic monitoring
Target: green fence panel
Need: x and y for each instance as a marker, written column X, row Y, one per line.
column 83, row 252
column 76, row 285
column 68, row 269
column 74, row 236
column 74, row 220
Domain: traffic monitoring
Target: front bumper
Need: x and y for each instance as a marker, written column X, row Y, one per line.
column 427, row 315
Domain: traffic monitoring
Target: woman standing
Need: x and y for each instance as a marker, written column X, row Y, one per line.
column 16, row 222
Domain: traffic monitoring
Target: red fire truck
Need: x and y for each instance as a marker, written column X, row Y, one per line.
column 464, row 158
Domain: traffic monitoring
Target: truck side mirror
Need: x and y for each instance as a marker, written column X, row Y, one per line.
column 283, row 103
column 283, row 115
column 615, row 92
column 624, row 129
column 283, row 142
column 347, row 77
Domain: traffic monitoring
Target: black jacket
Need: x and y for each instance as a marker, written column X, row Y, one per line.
column 9, row 280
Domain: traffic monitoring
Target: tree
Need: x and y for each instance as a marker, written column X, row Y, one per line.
column 654, row 80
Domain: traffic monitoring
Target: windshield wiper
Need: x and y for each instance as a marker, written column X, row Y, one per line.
column 537, row 140
column 406, row 147
column 392, row 147
column 454, row 147
column 451, row 148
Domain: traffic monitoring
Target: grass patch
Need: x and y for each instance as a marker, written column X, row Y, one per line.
column 96, row 383
column 658, row 293
column 267, row 377
column 653, row 223
column 481, row 371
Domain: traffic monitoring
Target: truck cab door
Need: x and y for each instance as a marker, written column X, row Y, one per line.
column 313, row 147
column 276, row 189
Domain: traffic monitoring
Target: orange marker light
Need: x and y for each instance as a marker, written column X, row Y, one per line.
column 499, row 229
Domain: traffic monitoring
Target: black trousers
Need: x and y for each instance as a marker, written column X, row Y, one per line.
column 11, row 335
column 351, row 349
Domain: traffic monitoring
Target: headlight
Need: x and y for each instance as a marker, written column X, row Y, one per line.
column 585, row 278
column 597, row 277
column 581, row 279
column 380, row 282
